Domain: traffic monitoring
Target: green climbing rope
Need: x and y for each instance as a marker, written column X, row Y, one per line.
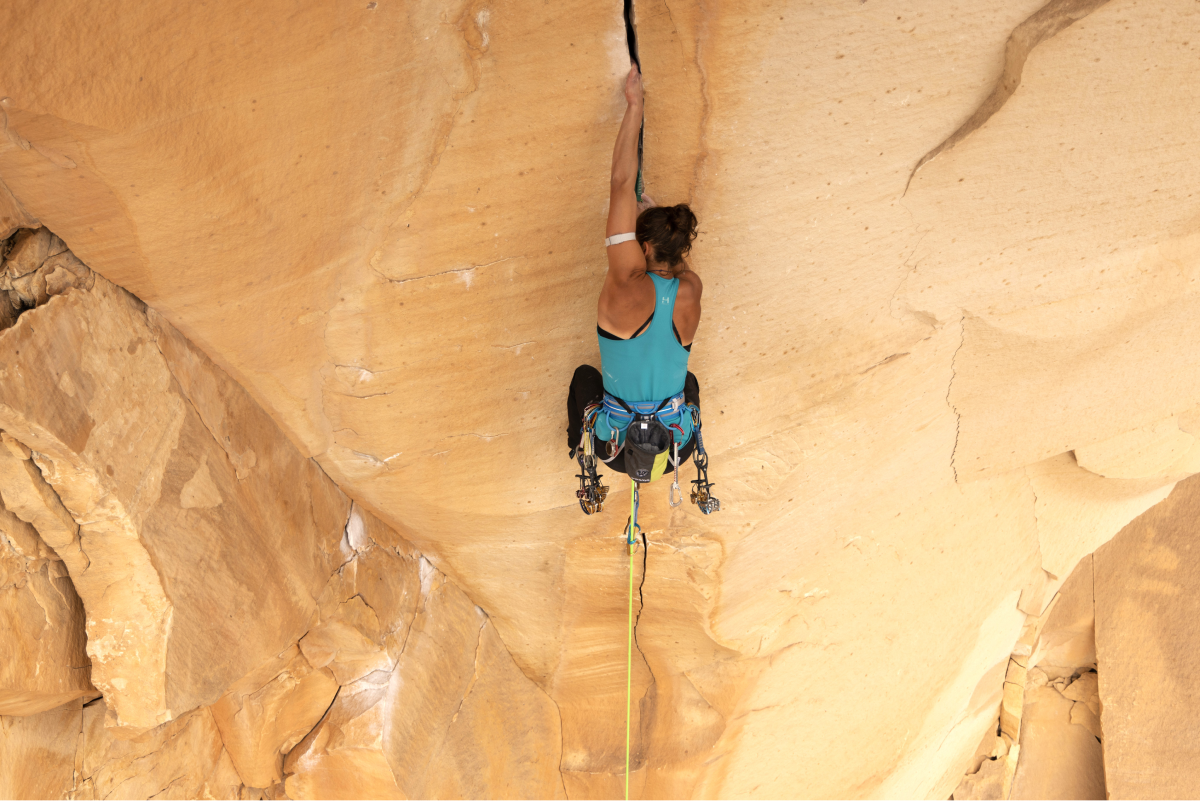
column 632, row 541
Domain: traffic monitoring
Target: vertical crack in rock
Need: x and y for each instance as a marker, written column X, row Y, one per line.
column 631, row 33
column 1037, row 523
column 631, row 43
column 962, row 323
column 1092, row 557
column 562, row 737
column 304, row 741
column 437, row 751
column 637, row 618
column 221, row 739
column 562, row 744
column 1033, row 596
column 1044, row 24
column 474, row 673
column 641, row 596
column 427, row 571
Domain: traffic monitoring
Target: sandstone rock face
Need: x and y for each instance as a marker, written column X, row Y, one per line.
column 230, row 590
column 1097, row 705
column 1048, row 741
column 1060, row 757
column 41, row 625
column 268, row 711
column 176, row 499
column 949, row 252
column 421, row 728
column 182, row 759
column 1146, row 608
column 38, row 752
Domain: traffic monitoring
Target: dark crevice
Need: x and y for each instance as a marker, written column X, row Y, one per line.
column 631, row 43
column 636, row 619
column 641, row 597
column 949, row 387
column 307, row 738
column 35, row 265
column 631, row 34
column 1046, row 22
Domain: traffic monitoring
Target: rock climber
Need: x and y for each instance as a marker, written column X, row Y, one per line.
column 647, row 317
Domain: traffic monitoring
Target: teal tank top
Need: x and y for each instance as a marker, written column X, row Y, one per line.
column 650, row 367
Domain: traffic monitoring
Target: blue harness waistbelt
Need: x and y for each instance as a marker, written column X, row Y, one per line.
column 616, row 415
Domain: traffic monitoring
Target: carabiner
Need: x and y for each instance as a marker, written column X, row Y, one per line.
column 675, row 486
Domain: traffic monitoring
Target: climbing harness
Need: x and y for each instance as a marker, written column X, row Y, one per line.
column 591, row 492
column 648, row 432
column 621, row 413
column 649, row 446
column 631, row 530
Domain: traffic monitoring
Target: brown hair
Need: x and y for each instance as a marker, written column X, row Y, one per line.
column 670, row 230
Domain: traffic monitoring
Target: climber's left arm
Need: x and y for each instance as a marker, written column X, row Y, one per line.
column 626, row 258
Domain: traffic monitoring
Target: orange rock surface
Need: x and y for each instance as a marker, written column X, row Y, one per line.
column 298, row 443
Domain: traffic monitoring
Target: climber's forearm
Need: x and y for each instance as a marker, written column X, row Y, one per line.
column 624, row 163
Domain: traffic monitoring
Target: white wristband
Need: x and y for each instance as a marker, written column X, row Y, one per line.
column 617, row 239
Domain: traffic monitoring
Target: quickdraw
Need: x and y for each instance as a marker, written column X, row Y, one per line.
column 671, row 494
column 591, row 492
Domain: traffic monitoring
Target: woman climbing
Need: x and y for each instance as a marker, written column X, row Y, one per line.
column 647, row 316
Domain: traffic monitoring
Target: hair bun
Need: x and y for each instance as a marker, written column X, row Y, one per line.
column 670, row 230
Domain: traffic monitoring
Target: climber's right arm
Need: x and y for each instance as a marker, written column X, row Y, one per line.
column 626, row 258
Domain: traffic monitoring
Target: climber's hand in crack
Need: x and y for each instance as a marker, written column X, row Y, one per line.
column 633, row 86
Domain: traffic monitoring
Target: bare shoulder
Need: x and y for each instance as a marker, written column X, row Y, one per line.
column 690, row 287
